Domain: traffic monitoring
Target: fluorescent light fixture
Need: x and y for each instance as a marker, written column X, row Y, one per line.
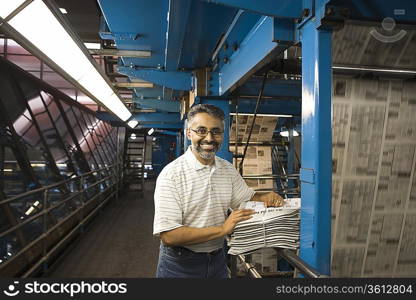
column 286, row 133
column 7, row 7
column 63, row 10
column 133, row 123
column 38, row 165
column 151, row 130
column 133, row 136
column 7, row 170
column 51, row 40
column 95, row 46
column 262, row 115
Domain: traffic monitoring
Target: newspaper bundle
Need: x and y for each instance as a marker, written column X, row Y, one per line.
column 268, row 228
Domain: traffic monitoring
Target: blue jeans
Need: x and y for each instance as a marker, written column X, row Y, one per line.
column 179, row 262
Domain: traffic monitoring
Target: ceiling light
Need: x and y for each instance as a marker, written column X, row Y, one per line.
column 133, row 123
column 286, row 133
column 151, row 130
column 133, row 136
column 63, row 10
column 95, row 46
column 47, row 37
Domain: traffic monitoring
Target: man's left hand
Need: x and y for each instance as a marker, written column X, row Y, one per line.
column 272, row 199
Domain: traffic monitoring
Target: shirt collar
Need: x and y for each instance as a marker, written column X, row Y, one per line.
column 190, row 157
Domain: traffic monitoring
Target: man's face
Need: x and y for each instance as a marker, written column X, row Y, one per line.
column 207, row 146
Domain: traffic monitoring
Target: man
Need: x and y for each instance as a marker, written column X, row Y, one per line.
column 192, row 196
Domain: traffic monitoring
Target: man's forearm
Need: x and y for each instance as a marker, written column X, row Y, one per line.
column 190, row 235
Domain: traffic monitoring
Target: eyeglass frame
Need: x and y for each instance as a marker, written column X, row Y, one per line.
column 208, row 131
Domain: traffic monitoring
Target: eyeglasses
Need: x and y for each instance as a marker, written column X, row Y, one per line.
column 203, row 132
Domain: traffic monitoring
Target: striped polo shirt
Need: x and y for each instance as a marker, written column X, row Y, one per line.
column 191, row 194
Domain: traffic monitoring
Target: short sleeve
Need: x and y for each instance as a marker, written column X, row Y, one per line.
column 168, row 212
column 241, row 192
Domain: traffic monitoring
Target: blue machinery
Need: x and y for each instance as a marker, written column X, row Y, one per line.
column 218, row 49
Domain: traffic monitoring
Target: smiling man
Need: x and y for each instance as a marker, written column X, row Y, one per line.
column 192, row 196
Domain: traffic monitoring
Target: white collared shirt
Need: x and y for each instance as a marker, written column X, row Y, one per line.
column 191, row 194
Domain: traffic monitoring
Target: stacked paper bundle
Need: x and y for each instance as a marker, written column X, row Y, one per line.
column 268, row 228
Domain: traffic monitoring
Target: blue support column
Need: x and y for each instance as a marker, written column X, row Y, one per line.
column 291, row 158
column 186, row 141
column 316, row 172
column 178, row 144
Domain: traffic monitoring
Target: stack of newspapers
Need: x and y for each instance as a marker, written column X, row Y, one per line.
column 268, row 228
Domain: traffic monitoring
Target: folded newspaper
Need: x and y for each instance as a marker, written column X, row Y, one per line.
column 268, row 228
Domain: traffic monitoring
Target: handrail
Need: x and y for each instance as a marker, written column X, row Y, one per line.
column 45, row 209
column 47, row 187
column 298, row 263
column 271, row 176
column 64, row 239
column 54, row 227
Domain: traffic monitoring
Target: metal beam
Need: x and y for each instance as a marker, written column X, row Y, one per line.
column 157, row 117
column 169, row 106
column 272, row 88
column 173, row 79
column 227, row 33
column 256, row 50
column 286, row 107
column 273, row 8
column 125, row 53
column 316, row 172
column 177, row 23
column 133, row 84
column 161, row 125
column 150, row 118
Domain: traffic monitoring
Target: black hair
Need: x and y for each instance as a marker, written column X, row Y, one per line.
column 210, row 109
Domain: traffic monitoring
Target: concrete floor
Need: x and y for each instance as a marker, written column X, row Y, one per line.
column 118, row 243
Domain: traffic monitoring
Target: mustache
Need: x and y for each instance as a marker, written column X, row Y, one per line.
column 208, row 143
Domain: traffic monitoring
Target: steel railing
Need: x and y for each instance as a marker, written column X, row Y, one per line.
column 291, row 257
column 296, row 262
column 87, row 194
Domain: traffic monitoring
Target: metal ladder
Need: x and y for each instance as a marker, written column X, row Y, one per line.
column 135, row 153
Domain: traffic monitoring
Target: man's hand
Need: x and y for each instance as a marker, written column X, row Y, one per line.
column 272, row 199
column 235, row 217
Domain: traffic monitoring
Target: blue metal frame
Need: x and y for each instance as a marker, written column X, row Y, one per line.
column 164, row 105
column 178, row 144
column 161, row 125
column 255, row 51
column 283, row 107
column 291, row 158
column 172, row 79
column 316, row 172
column 282, row 8
column 178, row 15
column 157, row 117
column 272, row 88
